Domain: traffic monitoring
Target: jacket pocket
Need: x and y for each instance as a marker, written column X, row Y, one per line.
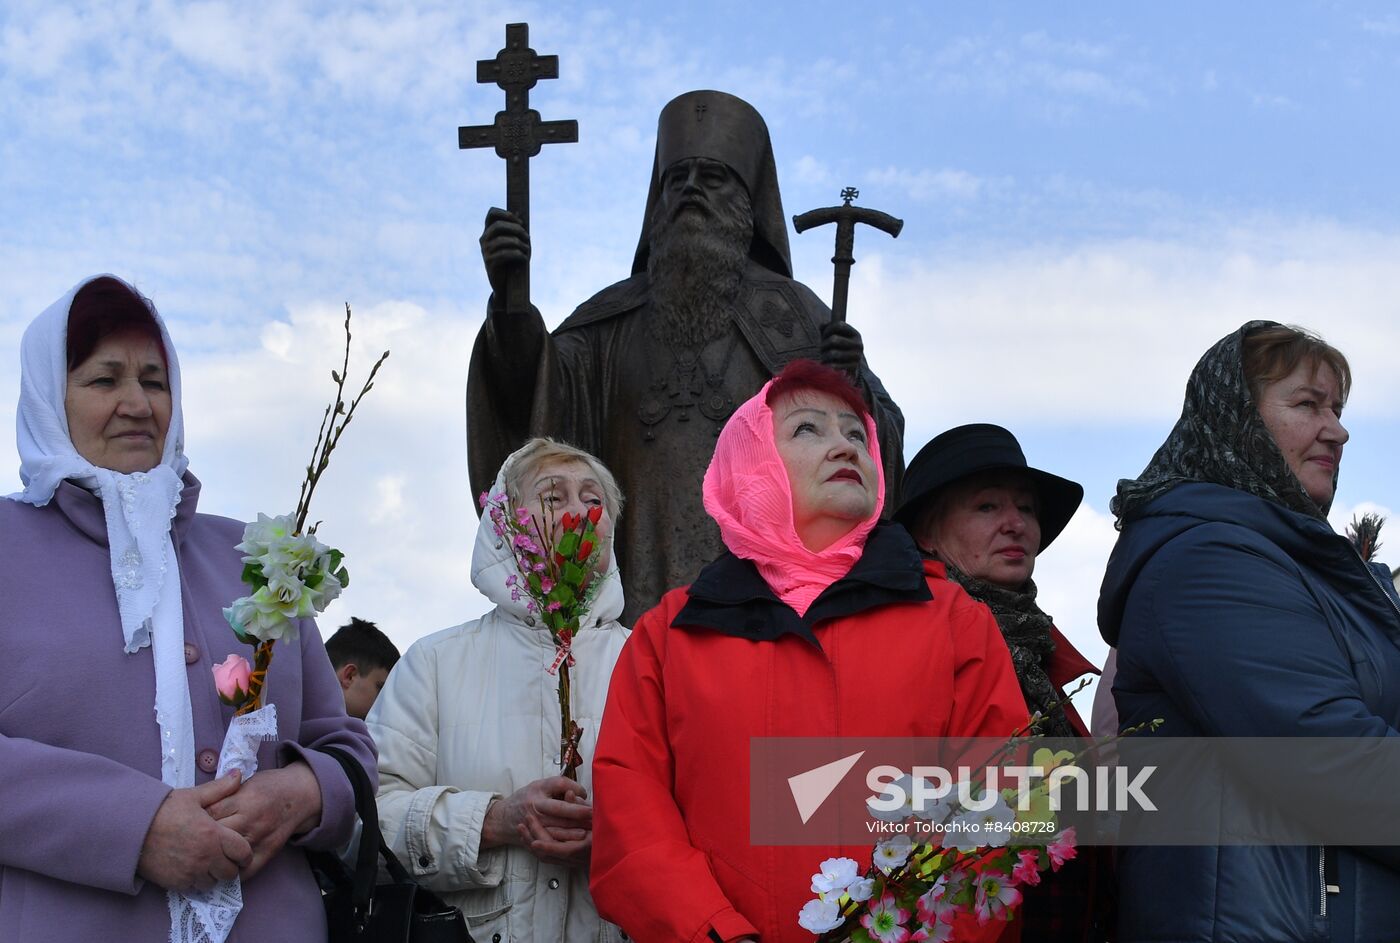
column 490, row 926
column 610, row 932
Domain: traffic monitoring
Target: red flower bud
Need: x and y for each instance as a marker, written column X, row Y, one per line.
column 595, row 514
column 558, row 558
column 568, row 521
column 585, row 550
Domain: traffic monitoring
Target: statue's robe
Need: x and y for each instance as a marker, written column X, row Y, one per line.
column 603, row 382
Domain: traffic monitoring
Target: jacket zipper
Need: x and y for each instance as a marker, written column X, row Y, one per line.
column 1322, row 885
column 1328, row 882
column 1322, row 880
column 1375, row 579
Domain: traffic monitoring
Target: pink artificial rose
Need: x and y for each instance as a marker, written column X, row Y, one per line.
column 231, row 679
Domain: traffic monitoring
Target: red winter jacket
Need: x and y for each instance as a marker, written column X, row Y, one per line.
column 887, row 651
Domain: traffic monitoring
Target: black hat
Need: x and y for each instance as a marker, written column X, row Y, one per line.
column 983, row 447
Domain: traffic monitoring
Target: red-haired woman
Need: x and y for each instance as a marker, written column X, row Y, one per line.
column 819, row 621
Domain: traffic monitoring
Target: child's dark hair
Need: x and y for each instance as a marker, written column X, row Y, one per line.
column 361, row 642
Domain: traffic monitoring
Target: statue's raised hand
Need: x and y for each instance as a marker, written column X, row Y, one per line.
column 842, row 347
column 505, row 245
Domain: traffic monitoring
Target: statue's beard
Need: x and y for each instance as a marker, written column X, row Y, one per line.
column 695, row 265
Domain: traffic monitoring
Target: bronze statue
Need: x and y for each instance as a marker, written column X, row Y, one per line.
column 645, row 373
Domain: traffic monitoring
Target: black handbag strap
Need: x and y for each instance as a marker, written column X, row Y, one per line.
column 371, row 840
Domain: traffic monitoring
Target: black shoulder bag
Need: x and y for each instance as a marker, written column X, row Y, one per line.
column 360, row 911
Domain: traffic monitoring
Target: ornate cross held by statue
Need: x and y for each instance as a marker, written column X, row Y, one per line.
column 845, row 217
column 517, row 133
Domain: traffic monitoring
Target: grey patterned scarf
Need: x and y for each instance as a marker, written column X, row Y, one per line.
column 1220, row 438
column 1026, row 628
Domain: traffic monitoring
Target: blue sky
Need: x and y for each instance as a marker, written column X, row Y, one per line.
column 1093, row 193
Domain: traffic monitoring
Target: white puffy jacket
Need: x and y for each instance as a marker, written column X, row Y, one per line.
column 469, row 714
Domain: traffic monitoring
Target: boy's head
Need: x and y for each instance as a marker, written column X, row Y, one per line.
column 362, row 656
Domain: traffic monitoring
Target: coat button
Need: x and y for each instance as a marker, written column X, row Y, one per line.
column 554, row 884
column 496, row 938
column 191, row 653
column 208, row 760
column 424, row 861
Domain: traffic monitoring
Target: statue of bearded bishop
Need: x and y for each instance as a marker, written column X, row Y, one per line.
column 645, row 373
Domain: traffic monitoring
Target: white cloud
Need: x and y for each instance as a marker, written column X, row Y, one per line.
column 1053, row 75
column 810, row 171
column 1042, row 43
column 44, row 46
column 277, row 339
column 1109, row 331
column 1273, row 101
column 389, row 504
column 224, row 37
column 1068, row 576
column 1085, row 83
column 1384, row 25
column 933, row 185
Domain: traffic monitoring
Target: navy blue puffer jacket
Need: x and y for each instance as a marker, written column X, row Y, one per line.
column 1236, row 617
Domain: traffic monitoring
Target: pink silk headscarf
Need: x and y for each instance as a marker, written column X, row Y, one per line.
column 747, row 492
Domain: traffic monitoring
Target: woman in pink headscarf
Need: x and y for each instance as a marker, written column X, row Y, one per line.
column 819, row 621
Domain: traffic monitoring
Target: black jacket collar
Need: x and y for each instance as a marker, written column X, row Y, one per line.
column 731, row 597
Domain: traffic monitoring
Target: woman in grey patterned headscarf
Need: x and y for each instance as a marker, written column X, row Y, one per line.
column 1239, row 612
column 1233, row 421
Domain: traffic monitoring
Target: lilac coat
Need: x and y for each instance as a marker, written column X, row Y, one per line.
column 79, row 746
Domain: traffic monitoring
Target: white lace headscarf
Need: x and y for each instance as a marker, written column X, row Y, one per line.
column 138, row 508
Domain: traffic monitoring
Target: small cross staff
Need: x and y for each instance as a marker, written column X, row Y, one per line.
column 517, row 133
column 845, row 217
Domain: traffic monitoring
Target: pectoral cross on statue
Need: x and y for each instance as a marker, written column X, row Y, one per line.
column 687, row 391
column 517, row 133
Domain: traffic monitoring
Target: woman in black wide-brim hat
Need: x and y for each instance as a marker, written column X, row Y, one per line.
column 973, row 503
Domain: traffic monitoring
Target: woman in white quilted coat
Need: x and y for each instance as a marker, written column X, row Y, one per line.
column 470, row 792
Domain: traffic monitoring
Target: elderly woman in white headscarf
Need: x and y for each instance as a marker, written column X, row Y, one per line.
column 111, row 591
column 471, row 795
